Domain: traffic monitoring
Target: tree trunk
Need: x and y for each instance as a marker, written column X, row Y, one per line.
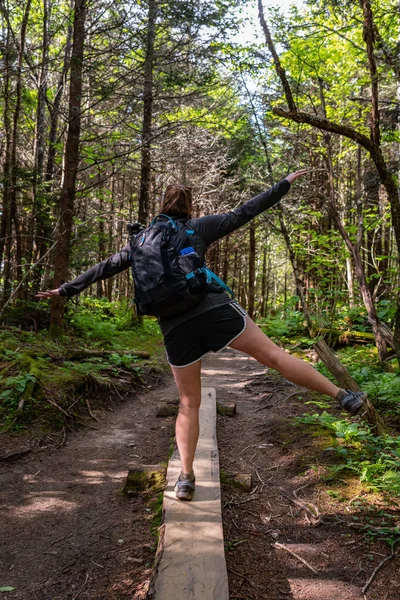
column 263, row 282
column 5, row 228
column 71, row 161
column 145, row 171
column 345, row 381
column 14, row 218
column 38, row 243
column 382, row 334
column 252, row 269
column 55, row 110
column 350, row 281
column 297, row 279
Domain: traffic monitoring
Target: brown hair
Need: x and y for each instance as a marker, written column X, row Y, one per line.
column 177, row 201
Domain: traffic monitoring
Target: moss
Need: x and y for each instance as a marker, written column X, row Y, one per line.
column 232, row 480
column 144, row 479
column 156, row 505
column 34, row 359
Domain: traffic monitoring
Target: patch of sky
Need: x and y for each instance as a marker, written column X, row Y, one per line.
column 250, row 33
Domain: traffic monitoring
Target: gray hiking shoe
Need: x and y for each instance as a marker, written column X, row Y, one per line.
column 184, row 487
column 352, row 401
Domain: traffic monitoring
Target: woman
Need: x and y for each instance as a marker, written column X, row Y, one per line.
column 217, row 322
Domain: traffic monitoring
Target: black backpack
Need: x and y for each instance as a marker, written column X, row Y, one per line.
column 169, row 275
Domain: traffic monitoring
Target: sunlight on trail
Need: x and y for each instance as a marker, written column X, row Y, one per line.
column 42, row 504
column 304, row 588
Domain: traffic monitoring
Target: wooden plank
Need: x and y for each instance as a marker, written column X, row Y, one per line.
column 191, row 562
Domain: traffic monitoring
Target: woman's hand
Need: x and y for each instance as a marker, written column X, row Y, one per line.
column 293, row 176
column 48, row 294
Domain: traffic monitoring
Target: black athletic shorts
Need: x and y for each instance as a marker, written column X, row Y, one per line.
column 211, row 331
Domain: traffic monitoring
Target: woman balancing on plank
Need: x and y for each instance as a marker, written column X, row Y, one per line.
column 205, row 318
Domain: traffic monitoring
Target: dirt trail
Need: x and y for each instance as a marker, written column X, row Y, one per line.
column 262, row 441
column 66, row 531
column 67, row 534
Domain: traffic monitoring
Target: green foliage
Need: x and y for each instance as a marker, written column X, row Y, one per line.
column 35, row 371
column 110, row 325
column 375, row 459
column 383, row 387
column 13, row 388
column 284, row 327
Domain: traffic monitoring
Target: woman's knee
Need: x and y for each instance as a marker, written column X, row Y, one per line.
column 189, row 404
column 273, row 358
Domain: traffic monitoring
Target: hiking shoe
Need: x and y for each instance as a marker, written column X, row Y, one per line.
column 184, row 487
column 352, row 401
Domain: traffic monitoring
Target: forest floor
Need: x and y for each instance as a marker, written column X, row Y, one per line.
column 67, row 532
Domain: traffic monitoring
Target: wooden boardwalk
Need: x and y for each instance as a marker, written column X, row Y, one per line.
column 191, row 561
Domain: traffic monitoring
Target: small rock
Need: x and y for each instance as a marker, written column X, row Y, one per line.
column 138, row 561
column 131, row 445
column 121, row 541
column 243, row 480
column 168, row 410
column 228, row 408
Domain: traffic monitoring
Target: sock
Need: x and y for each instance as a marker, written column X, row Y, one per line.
column 189, row 476
column 341, row 394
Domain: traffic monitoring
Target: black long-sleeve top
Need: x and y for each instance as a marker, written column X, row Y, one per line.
column 207, row 229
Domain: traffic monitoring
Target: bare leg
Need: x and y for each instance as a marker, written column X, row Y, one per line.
column 187, row 423
column 254, row 342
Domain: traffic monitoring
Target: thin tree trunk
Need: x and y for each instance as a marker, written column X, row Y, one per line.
column 14, row 166
column 263, row 281
column 145, row 171
column 55, row 110
column 297, row 278
column 37, row 228
column 5, row 230
column 252, row 269
column 71, row 162
column 350, row 281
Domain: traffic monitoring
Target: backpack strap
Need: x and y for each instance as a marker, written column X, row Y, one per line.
column 167, row 217
column 172, row 221
column 211, row 276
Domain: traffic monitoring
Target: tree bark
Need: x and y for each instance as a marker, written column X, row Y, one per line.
column 145, row 170
column 299, row 283
column 345, row 381
column 71, row 162
column 14, row 218
column 252, row 269
column 5, row 227
column 38, row 243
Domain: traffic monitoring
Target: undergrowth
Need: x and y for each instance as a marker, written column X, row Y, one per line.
column 381, row 382
column 374, row 459
column 41, row 387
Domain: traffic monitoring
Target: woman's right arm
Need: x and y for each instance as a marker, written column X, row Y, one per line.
column 103, row 270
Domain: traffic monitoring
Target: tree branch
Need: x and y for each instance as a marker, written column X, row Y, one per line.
column 279, row 69
column 369, row 39
column 326, row 125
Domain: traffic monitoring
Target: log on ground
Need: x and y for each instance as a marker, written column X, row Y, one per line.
column 345, row 381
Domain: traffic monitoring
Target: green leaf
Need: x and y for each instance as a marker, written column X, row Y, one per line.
column 7, row 588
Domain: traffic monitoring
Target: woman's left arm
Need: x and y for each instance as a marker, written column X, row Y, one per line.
column 214, row 227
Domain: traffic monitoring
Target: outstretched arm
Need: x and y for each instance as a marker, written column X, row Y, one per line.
column 107, row 268
column 214, row 227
